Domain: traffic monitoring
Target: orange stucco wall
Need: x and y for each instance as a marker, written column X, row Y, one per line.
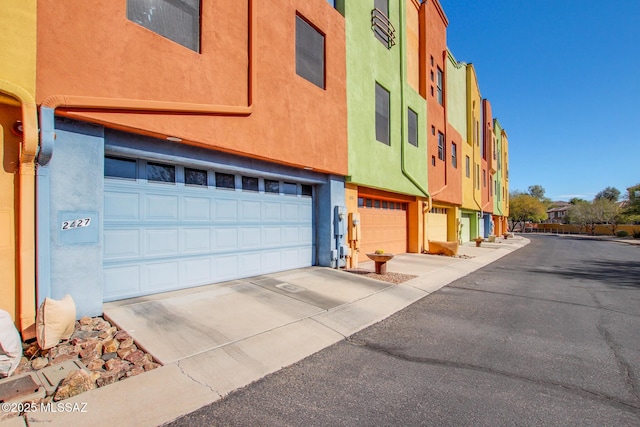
column 434, row 38
column 293, row 122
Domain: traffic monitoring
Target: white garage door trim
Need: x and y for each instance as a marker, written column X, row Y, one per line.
column 161, row 236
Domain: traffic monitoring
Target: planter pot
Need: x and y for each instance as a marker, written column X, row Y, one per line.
column 381, row 261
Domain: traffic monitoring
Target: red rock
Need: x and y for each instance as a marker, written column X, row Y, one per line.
column 110, row 346
column 136, row 370
column 135, row 356
column 122, row 335
column 126, row 343
column 95, row 364
column 107, row 378
column 75, row 382
column 86, row 320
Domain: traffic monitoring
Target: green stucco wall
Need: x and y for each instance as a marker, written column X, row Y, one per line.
column 457, row 95
column 372, row 163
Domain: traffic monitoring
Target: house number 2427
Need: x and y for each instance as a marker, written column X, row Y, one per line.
column 76, row 223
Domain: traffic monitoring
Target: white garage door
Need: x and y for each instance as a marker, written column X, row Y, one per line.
column 169, row 227
column 466, row 228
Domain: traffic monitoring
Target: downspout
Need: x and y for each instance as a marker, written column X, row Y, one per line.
column 104, row 104
column 403, row 106
column 26, row 209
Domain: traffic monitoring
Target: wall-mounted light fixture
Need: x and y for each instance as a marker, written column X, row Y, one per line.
column 16, row 128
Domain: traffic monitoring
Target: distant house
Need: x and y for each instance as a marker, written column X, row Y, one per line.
column 558, row 212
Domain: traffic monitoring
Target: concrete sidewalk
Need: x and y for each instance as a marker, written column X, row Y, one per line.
column 215, row 339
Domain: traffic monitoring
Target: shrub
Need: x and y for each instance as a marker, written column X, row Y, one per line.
column 379, row 252
column 636, row 233
column 622, row 233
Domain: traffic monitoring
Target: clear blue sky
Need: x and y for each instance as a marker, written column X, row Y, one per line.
column 563, row 79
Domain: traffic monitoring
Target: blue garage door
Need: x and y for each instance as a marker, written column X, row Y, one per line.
column 168, row 226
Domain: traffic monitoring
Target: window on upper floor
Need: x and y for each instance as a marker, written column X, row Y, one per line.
column 382, row 114
column 467, row 166
column 381, row 25
column 309, row 52
column 484, row 178
column 454, row 155
column 441, row 151
column 412, row 121
column 439, row 86
column 177, row 20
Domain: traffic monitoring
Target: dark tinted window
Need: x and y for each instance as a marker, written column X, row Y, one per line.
column 307, row 190
column 225, row 180
column 290, row 188
column 309, row 53
column 177, row 20
column 382, row 114
column 249, row 183
column 195, row 177
column 161, row 173
column 271, row 186
column 119, row 168
column 412, row 118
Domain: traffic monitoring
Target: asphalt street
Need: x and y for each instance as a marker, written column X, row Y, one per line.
column 546, row 336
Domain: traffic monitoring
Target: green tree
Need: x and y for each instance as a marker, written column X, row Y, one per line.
column 525, row 207
column 609, row 193
column 632, row 204
column 536, row 191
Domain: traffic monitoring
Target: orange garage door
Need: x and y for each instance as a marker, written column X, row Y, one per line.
column 383, row 225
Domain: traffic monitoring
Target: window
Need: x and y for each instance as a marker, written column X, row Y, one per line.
column 120, row 168
column 307, row 190
column 433, row 160
column 161, row 173
column 454, row 155
column 440, row 146
column 382, row 6
column 382, row 114
column 412, row 118
column 439, row 86
column 271, row 186
column 309, row 53
column 433, row 130
column 290, row 188
column 467, row 166
column 195, row 177
column 225, row 180
column 484, row 178
column 177, row 20
column 249, row 183
column 477, row 176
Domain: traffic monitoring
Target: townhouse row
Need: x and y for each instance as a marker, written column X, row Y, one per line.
column 150, row 146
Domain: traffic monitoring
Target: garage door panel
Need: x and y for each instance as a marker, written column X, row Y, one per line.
column 250, row 264
column 290, row 212
column 162, row 275
column 196, row 240
column 249, row 211
column 197, row 209
column 271, row 211
column 226, row 267
column 121, row 244
column 163, row 208
column 271, row 236
column 122, row 206
column 225, row 239
column 250, row 237
column 270, row 261
column 195, row 271
column 226, row 210
column 123, row 281
column 163, row 242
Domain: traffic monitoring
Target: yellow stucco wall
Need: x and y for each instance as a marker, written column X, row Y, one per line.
column 18, row 59
column 471, row 196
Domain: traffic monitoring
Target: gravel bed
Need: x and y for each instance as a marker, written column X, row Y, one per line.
column 394, row 278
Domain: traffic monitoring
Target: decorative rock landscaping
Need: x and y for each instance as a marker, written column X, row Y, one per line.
column 109, row 355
